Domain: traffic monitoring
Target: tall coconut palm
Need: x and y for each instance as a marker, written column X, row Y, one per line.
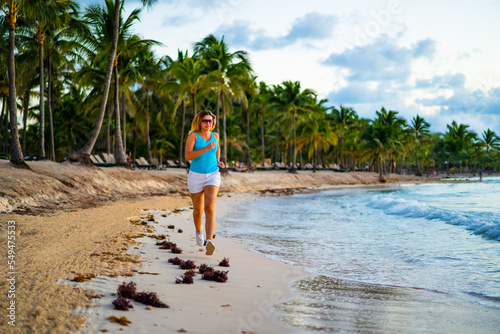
column 230, row 67
column 292, row 101
column 11, row 9
column 458, row 139
column 419, row 130
column 47, row 15
column 82, row 155
column 191, row 76
column 490, row 140
column 345, row 119
column 261, row 103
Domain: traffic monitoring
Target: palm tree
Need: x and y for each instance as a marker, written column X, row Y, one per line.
column 382, row 137
column 227, row 68
column 190, row 74
column 419, row 130
column 490, row 140
column 11, row 10
column 292, row 101
column 316, row 133
column 82, row 155
column 47, row 15
column 457, row 140
column 261, row 103
column 345, row 119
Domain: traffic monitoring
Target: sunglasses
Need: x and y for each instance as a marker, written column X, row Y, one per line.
column 208, row 121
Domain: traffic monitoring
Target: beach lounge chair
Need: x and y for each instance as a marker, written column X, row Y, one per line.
column 155, row 164
column 142, row 163
column 96, row 160
column 172, row 163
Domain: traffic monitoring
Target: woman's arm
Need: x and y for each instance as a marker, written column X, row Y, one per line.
column 217, row 154
column 189, row 154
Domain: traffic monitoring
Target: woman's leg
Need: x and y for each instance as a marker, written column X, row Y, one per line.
column 197, row 210
column 210, row 197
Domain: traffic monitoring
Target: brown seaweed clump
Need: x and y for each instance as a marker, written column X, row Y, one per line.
column 176, row 250
column 149, row 298
column 176, row 261
column 184, row 280
column 122, row 304
column 224, row 262
column 121, row 320
column 187, row 278
column 83, row 278
column 215, row 275
column 166, row 244
column 187, row 265
column 171, row 226
column 204, row 268
column 127, row 290
column 180, row 230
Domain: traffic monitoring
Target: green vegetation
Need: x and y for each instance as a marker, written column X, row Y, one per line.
column 84, row 83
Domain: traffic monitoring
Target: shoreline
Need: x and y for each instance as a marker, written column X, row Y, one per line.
column 51, row 246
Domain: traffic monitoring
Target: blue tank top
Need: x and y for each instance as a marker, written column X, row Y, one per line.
column 207, row 162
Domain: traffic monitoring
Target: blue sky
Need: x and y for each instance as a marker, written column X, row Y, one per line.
column 438, row 59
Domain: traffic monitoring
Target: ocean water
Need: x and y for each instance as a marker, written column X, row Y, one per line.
column 411, row 258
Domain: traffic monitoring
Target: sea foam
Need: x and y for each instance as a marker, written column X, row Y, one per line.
column 486, row 224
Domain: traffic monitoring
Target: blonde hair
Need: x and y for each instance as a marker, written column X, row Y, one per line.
column 196, row 123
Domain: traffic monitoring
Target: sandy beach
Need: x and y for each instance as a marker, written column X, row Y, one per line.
column 73, row 221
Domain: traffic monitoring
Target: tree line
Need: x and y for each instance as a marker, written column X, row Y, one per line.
column 83, row 82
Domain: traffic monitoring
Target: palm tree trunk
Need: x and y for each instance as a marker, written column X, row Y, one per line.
column 26, row 103
column 148, row 139
column 41, row 143
column 52, row 153
column 224, row 141
column 4, row 102
column 83, row 154
column 339, row 153
column 181, row 155
column 292, row 170
column 217, row 111
column 124, row 122
column 418, row 173
column 262, row 147
column 194, row 103
column 120, row 156
column 248, row 138
column 276, row 146
column 108, row 130
column 6, row 131
column 16, row 155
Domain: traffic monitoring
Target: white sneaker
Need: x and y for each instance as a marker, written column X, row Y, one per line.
column 199, row 239
column 210, row 247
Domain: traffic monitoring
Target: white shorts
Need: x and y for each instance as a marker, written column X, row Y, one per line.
column 196, row 181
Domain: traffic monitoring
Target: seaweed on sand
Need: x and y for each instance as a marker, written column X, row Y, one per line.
column 184, row 280
column 188, row 265
column 180, row 230
column 122, row 304
column 176, row 250
column 166, row 244
column 171, row 226
column 215, row 275
column 121, row 320
column 83, row 278
column 187, row 278
column 176, row 261
column 204, row 268
column 127, row 290
column 224, row 262
column 149, row 298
